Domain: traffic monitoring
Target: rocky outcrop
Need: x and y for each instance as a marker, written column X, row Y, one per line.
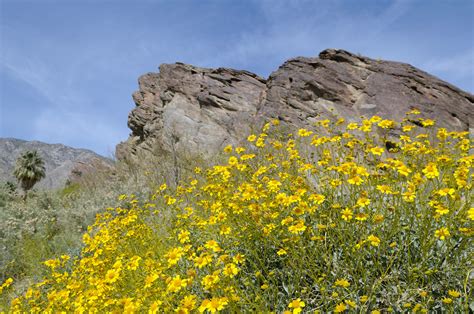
column 197, row 110
column 190, row 109
column 62, row 163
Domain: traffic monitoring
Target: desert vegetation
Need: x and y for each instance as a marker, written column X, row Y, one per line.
column 342, row 217
column 29, row 169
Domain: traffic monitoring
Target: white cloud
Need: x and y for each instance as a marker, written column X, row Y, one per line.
column 460, row 65
column 72, row 109
column 77, row 129
column 295, row 28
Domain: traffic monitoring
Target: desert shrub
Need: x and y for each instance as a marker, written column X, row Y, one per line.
column 70, row 189
column 51, row 223
column 3, row 198
column 330, row 219
column 7, row 192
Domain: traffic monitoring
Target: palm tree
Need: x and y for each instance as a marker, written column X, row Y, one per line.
column 29, row 169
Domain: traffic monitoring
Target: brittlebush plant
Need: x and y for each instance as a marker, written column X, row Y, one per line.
column 342, row 217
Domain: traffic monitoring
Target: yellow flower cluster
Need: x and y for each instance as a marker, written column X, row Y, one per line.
column 6, row 284
column 341, row 217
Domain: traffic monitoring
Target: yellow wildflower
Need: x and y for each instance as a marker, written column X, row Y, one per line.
column 176, row 283
column 251, row 138
column 442, row 233
column 233, row 161
column 427, row 122
column 431, row 171
column 210, row 280
column 112, row 275
column 347, row 214
column 213, row 305
column 213, row 245
column 174, row 255
column 188, row 303
column 352, row 126
column 231, row 270
column 447, row 300
column 386, row 124
column 363, row 201
column 341, row 307
column 342, row 283
column 361, row 216
column 351, row 303
column 376, row 151
column 470, row 213
column 356, row 180
column 297, row 305
column 183, row 236
column 298, row 227
column 374, row 241
column 304, row 133
column 150, row 279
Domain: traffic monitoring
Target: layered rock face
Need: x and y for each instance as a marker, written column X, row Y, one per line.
column 194, row 110
column 190, row 109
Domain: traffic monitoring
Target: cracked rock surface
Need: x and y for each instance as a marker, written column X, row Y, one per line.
column 192, row 110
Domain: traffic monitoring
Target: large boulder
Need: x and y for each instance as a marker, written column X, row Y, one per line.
column 190, row 109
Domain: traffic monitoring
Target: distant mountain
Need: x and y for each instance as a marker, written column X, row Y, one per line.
column 189, row 109
column 61, row 162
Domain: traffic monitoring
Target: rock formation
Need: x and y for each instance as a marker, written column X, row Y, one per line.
column 195, row 110
column 62, row 163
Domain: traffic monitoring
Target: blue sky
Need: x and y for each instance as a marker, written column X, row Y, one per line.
column 68, row 67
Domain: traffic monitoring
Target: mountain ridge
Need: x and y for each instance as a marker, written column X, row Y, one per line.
column 62, row 162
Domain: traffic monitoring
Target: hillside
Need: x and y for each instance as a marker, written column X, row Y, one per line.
column 325, row 220
column 339, row 184
column 61, row 162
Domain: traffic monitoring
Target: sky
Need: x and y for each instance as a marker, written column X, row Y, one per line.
column 68, row 67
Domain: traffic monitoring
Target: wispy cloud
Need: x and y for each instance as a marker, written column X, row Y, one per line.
column 38, row 77
column 295, row 28
column 77, row 129
column 459, row 66
column 75, row 105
